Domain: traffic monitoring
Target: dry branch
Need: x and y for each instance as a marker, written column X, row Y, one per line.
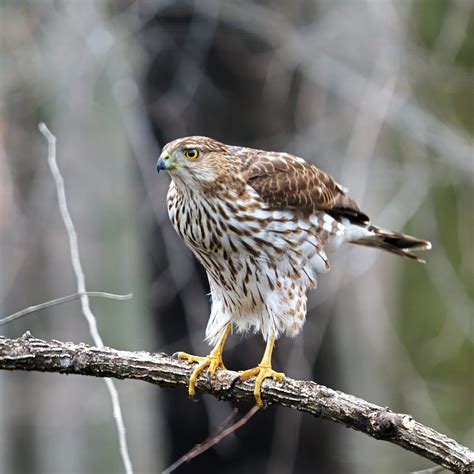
column 81, row 288
column 29, row 353
column 224, row 430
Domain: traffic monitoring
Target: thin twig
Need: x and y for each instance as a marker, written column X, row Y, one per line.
column 222, row 432
column 63, row 299
column 430, row 470
column 81, row 288
column 190, row 454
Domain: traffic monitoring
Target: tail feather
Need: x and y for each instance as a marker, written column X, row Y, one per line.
column 393, row 242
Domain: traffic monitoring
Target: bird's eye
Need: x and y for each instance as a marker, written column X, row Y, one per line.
column 191, row 154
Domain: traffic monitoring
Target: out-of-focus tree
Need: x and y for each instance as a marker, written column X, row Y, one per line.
column 379, row 94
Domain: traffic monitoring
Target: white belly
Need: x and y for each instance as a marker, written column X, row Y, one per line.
column 260, row 262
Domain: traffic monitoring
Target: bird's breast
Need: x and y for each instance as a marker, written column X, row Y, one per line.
column 226, row 235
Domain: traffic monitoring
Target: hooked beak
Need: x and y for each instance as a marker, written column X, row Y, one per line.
column 164, row 162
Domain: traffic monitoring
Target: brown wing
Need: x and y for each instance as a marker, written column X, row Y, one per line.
column 285, row 181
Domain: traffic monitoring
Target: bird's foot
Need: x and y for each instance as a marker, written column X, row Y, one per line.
column 211, row 362
column 262, row 372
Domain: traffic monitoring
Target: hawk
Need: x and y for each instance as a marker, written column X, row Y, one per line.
column 261, row 223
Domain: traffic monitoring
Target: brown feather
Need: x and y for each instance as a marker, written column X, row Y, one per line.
column 285, row 181
column 394, row 242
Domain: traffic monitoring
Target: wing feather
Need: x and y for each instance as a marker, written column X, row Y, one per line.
column 287, row 182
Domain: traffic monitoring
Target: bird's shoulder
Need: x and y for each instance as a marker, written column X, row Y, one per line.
column 286, row 181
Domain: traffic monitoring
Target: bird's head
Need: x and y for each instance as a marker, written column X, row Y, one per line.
column 194, row 159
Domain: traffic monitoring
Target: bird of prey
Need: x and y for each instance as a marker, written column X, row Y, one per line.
column 261, row 223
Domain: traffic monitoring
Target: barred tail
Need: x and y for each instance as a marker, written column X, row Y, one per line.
column 393, row 242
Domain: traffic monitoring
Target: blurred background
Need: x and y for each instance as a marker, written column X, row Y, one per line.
column 378, row 93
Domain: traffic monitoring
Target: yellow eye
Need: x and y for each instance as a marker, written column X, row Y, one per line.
column 191, row 154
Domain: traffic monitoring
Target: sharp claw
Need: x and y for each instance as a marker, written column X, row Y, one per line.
column 265, row 405
column 175, row 355
column 195, row 398
column 209, row 377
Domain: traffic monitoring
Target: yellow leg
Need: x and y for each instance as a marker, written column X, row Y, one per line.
column 263, row 371
column 213, row 360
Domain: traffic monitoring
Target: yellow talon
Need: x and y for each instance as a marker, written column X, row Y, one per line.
column 213, row 361
column 263, row 371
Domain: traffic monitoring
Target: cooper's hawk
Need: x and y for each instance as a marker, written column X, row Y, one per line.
column 261, row 223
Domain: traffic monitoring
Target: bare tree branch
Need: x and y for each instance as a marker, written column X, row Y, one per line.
column 81, row 288
column 29, row 353
column 61, row 300
column 223, row 431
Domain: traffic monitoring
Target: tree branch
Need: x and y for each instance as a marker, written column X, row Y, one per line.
column 29, row 353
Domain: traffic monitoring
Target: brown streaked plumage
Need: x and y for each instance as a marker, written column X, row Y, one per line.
column 290, row 183
column 261, row 223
